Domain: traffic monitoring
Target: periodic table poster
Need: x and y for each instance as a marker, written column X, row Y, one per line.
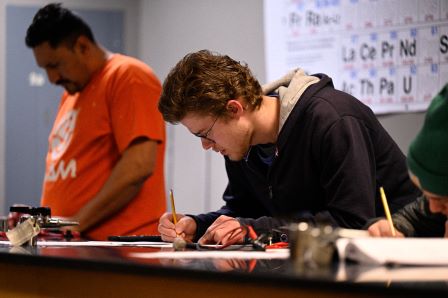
column 390, row 54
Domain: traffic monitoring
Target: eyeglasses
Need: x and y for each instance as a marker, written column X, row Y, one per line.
column 205, row 135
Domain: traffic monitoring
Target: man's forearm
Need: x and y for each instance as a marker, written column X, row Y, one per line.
column 105, row 204
column 124, row 183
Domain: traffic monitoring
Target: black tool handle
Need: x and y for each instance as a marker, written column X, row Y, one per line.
column 44, row 211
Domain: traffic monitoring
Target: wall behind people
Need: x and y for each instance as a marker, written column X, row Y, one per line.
column 169, row 30
column 37, row 121
column 172, row 28
column 160, row 32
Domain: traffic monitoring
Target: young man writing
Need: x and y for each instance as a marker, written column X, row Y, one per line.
column 296, row 149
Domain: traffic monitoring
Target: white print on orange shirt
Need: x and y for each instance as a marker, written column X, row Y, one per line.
column 61, row 171
column 61, row 135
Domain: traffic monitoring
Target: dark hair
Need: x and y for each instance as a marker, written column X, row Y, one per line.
column 203, row 82
column 55, row 25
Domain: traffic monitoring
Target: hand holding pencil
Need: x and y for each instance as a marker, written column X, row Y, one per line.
column 384, row 227
column 381, row 228
column 173, row 224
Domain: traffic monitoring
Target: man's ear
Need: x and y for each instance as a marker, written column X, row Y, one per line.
column 83, row 45
column 234, row 108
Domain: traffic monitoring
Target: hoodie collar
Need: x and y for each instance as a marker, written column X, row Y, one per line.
column 289, row 88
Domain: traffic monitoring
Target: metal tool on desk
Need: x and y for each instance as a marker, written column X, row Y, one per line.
column 315, row 246
column 33, row 219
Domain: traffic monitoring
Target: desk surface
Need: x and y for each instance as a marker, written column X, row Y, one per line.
column 115, row 272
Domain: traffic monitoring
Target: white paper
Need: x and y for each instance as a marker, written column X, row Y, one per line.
column 214, row 254
column 400, row 251
column 383, row 273
column 98, row 243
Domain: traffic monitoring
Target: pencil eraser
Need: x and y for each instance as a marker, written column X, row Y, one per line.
column 179, row 244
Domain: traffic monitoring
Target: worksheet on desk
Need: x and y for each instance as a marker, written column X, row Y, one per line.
column 98, row 243
column 403, row 273
column 397, row 251
column 215, row 254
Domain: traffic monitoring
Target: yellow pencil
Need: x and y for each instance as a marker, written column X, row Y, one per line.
column 173, row 209
column 386, row 210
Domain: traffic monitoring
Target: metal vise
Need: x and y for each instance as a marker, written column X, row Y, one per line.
column 31, row 221
column 315, row 246
column 312, row 246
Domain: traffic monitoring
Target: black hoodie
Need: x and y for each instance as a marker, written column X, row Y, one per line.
column 330, row 159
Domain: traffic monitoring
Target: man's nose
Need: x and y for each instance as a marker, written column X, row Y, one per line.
column 206, row 144
column 435, row 206
column 53, row 76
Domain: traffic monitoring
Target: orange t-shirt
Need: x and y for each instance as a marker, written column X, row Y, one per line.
column 92, row 129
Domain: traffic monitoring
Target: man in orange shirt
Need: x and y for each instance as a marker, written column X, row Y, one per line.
column 104, row 166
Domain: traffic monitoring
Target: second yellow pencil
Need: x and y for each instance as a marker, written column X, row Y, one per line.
column 387, row 211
